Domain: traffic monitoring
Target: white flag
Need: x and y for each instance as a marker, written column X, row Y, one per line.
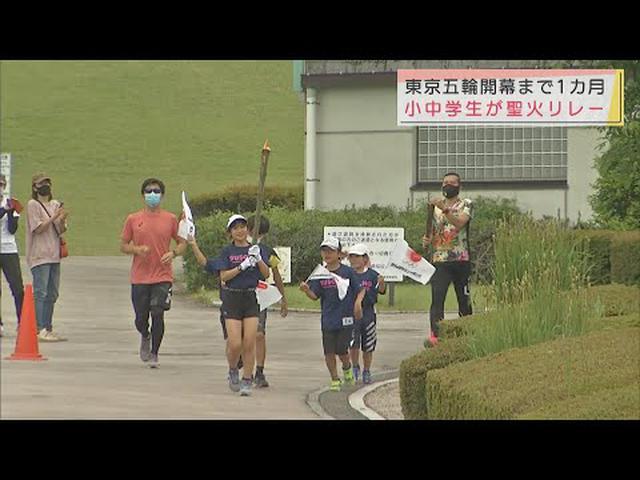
column 187, row 227
column 321, row 273
column 267, row 295
column 410, row 263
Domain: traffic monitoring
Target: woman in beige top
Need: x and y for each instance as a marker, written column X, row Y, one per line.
column 46, row 221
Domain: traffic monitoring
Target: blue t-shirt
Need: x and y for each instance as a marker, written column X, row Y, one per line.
column 368, row 280
column 333, row 309
column 231, row 257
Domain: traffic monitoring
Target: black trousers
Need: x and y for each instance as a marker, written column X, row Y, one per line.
column 447, row 272
column 10, row 265
column 153, row 299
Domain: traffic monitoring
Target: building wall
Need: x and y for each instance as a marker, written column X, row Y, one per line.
column 364, row 157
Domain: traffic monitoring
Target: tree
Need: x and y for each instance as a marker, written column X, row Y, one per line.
column 616, row 201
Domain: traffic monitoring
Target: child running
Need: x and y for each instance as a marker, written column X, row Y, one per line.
column 364, row 330
column 337, row 316
column 273, row 261
column 240, row 265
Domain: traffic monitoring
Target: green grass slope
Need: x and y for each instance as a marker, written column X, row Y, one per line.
column 100, row 128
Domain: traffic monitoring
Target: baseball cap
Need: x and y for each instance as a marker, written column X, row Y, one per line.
column 358, row 249
column 332, row 242
column 39, row 177
column 235, row 218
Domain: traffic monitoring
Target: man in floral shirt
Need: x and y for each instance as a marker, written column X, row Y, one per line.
column 449, row 239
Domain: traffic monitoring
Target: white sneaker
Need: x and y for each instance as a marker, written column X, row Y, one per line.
column 46, row 336
column 54, row 337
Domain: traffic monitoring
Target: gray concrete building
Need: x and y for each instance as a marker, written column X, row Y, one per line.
column 355, row 153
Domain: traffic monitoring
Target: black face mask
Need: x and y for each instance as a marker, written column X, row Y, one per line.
column 44, row 190
column 450, row 191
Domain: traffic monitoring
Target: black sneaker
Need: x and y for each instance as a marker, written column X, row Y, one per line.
column 261, row 381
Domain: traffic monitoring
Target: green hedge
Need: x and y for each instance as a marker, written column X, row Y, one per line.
column 614, row 255
column 569, row 378
column 625, row 258
column 303, row 232
column 414, row 371
column 242, row 198
column 617, row 299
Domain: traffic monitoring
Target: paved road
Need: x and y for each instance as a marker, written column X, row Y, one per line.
column 97, row 374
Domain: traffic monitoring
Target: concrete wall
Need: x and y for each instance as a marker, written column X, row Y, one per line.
column 364, row 158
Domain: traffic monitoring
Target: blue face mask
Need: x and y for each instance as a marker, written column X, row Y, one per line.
column 152, row 199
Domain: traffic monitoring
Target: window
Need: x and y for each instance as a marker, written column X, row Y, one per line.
column 492, row 154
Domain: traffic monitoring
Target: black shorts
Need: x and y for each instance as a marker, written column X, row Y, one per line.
column 262, row 323
column 364, row 334
column 336, row 342
column 239, row 304
column 147, row 297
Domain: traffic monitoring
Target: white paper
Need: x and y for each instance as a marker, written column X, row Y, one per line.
column 267, row 295
column 410, row 263
column 321, row 273
column 186, row 228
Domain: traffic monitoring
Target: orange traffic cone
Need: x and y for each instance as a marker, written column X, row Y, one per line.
column 27, row 341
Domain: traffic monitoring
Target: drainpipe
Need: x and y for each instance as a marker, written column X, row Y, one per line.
column 310, row 164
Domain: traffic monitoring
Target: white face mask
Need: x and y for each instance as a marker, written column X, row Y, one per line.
column 1, row 192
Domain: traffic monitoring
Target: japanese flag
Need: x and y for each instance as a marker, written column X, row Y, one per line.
column 410, row 263
column 321, row 273
column 267, row 295
column 186, row 228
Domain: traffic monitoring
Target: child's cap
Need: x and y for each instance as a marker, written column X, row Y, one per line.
column 332, row 242
column 235, row 218
column 358, row 249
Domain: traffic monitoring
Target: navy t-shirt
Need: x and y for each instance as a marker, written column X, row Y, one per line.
column 231, row 257
column 335, row 310
column 368, row 280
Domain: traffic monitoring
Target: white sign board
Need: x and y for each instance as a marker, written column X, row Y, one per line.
column 5, row 169
column 577, row 98
column 285, row 265
column 380, row 241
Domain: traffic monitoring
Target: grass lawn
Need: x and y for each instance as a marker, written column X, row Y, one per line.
column 100, row 128
column 408, row 297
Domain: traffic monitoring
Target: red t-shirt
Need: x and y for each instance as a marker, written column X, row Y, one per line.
column 154, row 229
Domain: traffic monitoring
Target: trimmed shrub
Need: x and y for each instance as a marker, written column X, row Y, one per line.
column 617, row 299
column 414, row 371
column 303, row 232
column 243, row 198
column 597, row 244
column 625, row 258
column 566, row 378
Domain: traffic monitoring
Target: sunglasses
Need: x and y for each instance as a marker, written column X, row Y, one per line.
column 152, row 190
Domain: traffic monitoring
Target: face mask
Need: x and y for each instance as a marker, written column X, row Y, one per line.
column 450, row 191
column 152, row 199
column 44, row 190
column 1, row 191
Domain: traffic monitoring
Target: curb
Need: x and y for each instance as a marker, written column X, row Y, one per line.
column 313, row 400
column 356, row 399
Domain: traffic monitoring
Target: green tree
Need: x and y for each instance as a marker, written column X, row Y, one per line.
column 616, row 201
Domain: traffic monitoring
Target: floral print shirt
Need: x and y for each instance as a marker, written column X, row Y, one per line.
column 449, row 243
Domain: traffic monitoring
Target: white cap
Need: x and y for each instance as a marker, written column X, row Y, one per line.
column 358, row 249
column 234, row 218
column 331, row 242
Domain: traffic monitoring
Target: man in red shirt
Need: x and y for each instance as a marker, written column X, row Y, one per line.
column 147, row 236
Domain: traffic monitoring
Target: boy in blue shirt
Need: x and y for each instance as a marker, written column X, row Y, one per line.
column 364, row 330
column 337, row 316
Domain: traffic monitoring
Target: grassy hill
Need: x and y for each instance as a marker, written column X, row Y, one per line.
column 100, row 128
